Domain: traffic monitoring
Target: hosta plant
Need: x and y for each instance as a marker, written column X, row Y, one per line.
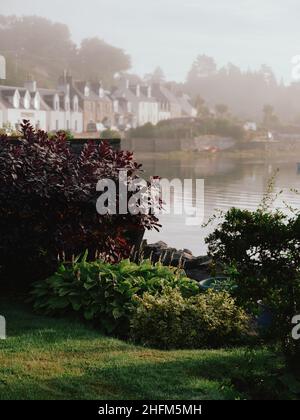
column 104, row 293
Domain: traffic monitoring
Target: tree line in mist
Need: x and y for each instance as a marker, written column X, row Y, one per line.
column 248, row 94
column 36, row 47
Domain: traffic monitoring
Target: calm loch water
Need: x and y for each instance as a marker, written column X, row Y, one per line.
column 227, row 182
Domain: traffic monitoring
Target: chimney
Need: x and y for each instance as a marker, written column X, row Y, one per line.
column 30, row 85
column 86, row 89
column 138, row 90
column 69, row 79
column 64, row 83
column 149, row 91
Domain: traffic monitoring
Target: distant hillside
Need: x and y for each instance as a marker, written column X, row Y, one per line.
column 36, row 47
column 245, row 93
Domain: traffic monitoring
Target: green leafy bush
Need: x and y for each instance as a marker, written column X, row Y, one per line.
column 261, row 248
column 110, row 134
column 103, row 292
column 171, row 320
column 67, row 134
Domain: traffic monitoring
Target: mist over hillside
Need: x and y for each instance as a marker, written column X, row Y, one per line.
column 35, row 47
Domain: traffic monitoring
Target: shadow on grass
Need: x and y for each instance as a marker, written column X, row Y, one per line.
column 213, row 375
column 48, row 358
column 22, row 321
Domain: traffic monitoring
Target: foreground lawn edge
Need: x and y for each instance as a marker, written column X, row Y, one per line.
column 48, row 358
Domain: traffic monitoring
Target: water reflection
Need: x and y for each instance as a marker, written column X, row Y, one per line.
column 228, row 182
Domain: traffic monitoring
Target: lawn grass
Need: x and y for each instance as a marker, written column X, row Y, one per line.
column 47, row 358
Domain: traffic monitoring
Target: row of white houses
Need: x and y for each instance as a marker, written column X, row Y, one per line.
column 46, row 109
column 136, row 105
column 77, row 106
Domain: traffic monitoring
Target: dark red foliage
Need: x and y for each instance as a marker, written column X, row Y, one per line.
column 48, row 205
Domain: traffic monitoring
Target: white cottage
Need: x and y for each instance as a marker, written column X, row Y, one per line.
column 63, row 111
column 140, row 102
column 46, row 109
column 18, row 104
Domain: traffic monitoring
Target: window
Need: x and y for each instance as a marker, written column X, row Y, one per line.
column 76, row 125
column 68, row 125
column 56, row 125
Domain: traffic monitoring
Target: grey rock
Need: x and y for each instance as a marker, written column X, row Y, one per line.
column 195, row 267
column 158, row 245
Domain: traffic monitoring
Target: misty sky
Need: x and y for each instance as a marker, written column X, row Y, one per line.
column 171, row 33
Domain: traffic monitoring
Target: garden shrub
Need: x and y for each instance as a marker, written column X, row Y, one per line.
column 110, row 134
column 103, row 292
column 48, row 205
column 261, row 248
column 66, row 133
column 171, row 320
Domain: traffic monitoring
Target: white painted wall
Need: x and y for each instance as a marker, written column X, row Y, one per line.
column 147, row 112
column 55, row 120
column 15, row 116
column 164, row 115
column 153, row 112
column 67, row 120
column 64, row 120
column 77, row 117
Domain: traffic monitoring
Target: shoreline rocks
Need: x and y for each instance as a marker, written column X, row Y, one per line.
column 196, row 267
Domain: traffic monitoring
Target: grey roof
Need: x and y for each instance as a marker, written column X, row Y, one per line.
column 163, row 94
column 48, row 94
column 95, row 89
column 7, row 92
column 130, row 94
column 123, row 106
column 186, row 106
column 79, row 86
column 144, row 91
